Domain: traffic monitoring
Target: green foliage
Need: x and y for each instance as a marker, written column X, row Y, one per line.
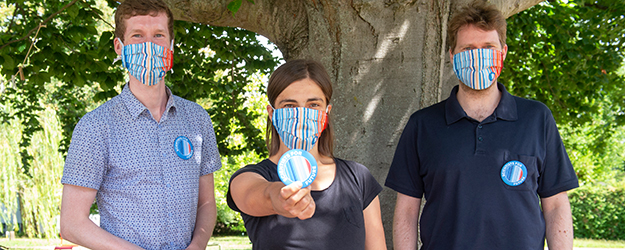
column 40, row 194
column 567, row 54
column 65, row 46
column 221, row 74
column 598, row 211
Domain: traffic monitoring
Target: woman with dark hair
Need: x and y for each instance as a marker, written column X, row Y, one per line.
column 340, row 209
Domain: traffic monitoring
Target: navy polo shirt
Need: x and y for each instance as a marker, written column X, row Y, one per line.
column 482, row 180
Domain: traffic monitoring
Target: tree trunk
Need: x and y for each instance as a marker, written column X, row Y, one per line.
column 387, row 59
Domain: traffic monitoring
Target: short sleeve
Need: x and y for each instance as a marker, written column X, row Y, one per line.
column 371, row 187
column 211, row 161
column 403, row 175
column 86, row 161
column 557, row 173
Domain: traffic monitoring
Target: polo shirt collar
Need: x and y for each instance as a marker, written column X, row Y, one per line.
column 506, row 109
column 135, row 107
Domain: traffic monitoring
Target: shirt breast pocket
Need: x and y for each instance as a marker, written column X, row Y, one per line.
column 188, row 151
column 354, row 215
column 520, row 172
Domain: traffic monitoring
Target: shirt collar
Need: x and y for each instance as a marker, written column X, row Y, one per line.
column 135, row 107
column 506, row 109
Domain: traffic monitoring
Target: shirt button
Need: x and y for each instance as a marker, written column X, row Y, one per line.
column 168, row 185
column 479, row 138
column 479, row 126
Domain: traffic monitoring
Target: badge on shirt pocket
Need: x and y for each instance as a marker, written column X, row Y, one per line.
column 183, row 147
column 513, row 173
column 519, row 172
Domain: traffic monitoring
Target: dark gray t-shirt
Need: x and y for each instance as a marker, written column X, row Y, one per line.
column 338, row 222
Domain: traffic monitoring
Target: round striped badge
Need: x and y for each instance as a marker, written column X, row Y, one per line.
column 297, row 165
column 513, row 173
column 183, row 147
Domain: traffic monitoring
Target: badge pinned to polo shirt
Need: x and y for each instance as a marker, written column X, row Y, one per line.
column 183, row 147
column 513, row 173
column 297, row 165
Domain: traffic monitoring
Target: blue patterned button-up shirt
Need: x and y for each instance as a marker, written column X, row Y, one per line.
column 147, row 191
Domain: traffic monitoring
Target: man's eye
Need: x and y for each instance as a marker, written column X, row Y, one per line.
column 314, row 105
column 159, row 35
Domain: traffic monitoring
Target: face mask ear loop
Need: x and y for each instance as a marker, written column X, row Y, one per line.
column 171, row 47
column 119, row 57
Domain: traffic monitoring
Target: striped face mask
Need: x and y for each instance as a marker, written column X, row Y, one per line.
column 299, row 128
column 478, row 68
column 148, row 62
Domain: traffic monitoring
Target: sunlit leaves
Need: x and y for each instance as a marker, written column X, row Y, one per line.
column 566, row 55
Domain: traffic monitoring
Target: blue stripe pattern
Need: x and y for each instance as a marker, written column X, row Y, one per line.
column 478, row 68
column 148, row 62
column 299, row 128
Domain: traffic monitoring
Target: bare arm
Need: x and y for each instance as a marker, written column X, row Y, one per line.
column 374, row 238
column 78, row 228
column 206, row 213
column 558, row 220
column 405, row 222
column 256, row 196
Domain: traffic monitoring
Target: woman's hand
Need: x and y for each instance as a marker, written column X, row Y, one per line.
column 293, row 201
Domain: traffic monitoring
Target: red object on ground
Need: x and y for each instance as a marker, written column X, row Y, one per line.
column 65, row 247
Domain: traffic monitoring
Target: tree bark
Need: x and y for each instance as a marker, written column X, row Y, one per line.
column 387, row 59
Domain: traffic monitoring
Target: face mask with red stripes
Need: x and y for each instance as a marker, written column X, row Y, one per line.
column 148, row 62
column 299, row 128
column 478, row 68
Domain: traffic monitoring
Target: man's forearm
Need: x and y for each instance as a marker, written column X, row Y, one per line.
column 78, row 228
column 206, row 213
column 84, row 232
column 405, row 222
column 204, row 225
column 559, row 222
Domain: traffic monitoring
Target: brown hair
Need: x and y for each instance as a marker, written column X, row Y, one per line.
column 481, row 14
column 290, row 72
column 130, row 8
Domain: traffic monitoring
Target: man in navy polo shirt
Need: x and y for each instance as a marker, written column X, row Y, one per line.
column 492, row 166
column 147, row 156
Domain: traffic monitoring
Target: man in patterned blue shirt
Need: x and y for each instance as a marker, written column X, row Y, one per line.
column 146, row 155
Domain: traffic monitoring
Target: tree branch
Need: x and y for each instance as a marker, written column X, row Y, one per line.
column 42, row 23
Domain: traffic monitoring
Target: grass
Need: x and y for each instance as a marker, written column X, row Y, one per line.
column 216, row 242
column 589, row 243
column 243, row 243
